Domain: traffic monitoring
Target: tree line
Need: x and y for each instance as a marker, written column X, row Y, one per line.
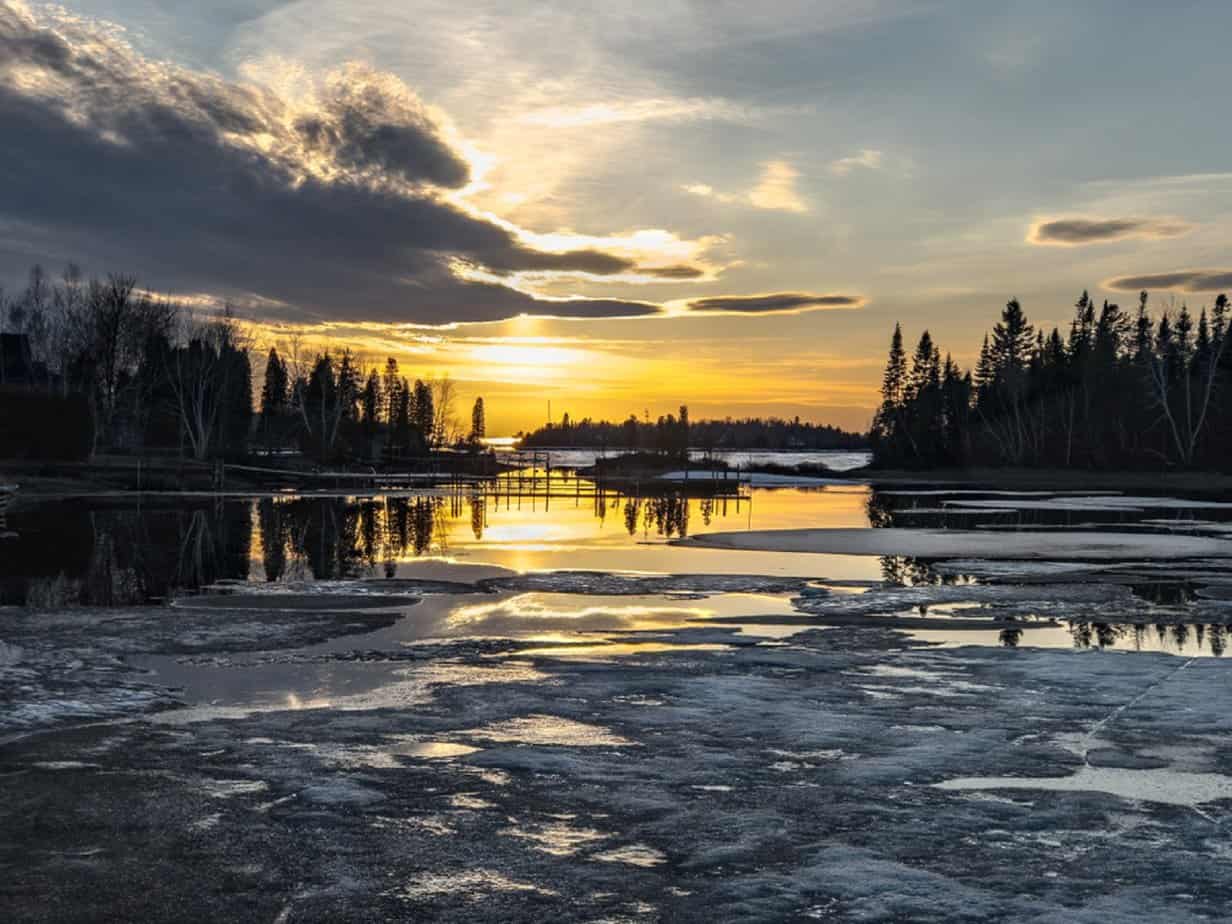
column 673, row 434
column 1118, row 389
column 101, row 365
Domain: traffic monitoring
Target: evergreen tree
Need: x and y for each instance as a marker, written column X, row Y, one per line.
column 370, row 403
column 275, row 400
column 894, row 381
column 1115, row 392
column 391, row 383
column 274, row 391
column 1012, row 340
column 423, row 411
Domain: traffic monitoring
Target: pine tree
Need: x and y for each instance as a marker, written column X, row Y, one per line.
column 1184, row 333
column 370, row 402
column 894, row 381
column 274, row 390
column 275, row 399
column 349, row 387
column 924, row 367
column 1011, row 341
column 985, row 373
column 1142, row 332
column 423, row 411
column 1081, row 328
column 391, row 384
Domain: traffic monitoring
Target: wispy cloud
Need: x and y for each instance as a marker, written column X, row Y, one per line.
column 775, row 190
column 867, row 158
column 1182, row 280
column 1075, row 232
column 638, row 110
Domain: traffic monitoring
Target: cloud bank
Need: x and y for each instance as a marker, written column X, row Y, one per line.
column 336, row 206
column 773, row 303
column 1075, row 232
column 1182, row 280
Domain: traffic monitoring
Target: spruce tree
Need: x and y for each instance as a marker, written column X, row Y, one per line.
column 894, row 380
column 1012, row 338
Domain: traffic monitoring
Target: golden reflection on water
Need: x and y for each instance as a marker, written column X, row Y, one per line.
column 305, row 537
column 296, row 702
column 609, row 649
column 571, row 612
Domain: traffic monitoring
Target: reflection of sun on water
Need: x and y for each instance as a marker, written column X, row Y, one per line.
column 325, row 538
column 533, row 610
column 295, row 702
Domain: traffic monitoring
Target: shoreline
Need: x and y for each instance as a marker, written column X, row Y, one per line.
column 1087, row 479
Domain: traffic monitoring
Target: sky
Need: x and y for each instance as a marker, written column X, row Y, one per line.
column 623, row 207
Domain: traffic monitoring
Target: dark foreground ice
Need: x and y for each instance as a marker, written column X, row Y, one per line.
column 843, row 773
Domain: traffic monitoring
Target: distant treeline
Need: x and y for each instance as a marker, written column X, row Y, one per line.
column 95, row 365
column 674, row 434
column 1116, row 390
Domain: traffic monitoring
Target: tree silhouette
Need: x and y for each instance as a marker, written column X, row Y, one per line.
column 1116, row 390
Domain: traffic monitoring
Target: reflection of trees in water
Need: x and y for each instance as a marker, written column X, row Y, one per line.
column 110, row 557
column 214, row 544
column 1166, row 593
column 666, row 515
column 1219, row 640
column 908, row 572
column 139, row 556
column 880, row 510
column 273, row 540
column 332, row 538
column 1180, row 637
column 632, row 510
column 479, row 514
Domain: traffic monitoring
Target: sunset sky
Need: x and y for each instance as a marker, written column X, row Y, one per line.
column 626, row 205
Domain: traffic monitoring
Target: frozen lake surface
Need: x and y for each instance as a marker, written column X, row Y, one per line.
column 841, row 703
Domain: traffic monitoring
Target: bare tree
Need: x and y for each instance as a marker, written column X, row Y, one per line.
column 444, row 422
column 200, row 374
column 108, row 335
column 1186, row 423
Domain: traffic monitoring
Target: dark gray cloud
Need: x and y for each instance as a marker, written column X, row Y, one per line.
column 678, row 271
column 1076, row 231
column 1184, row 280
column 368, row 121
column 595, row 262
column 199, row 184
column 774, row 302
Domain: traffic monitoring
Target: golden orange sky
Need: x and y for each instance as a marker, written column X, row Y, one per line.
column 623, row 207
column 520, row 365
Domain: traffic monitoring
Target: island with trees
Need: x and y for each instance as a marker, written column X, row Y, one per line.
column 672, row 433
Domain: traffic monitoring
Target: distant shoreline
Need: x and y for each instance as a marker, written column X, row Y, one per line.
column 1192, row 480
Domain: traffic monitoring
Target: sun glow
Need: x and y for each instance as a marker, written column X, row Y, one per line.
column 521, row 354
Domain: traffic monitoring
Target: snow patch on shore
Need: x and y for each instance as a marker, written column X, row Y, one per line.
column 1050, row 545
